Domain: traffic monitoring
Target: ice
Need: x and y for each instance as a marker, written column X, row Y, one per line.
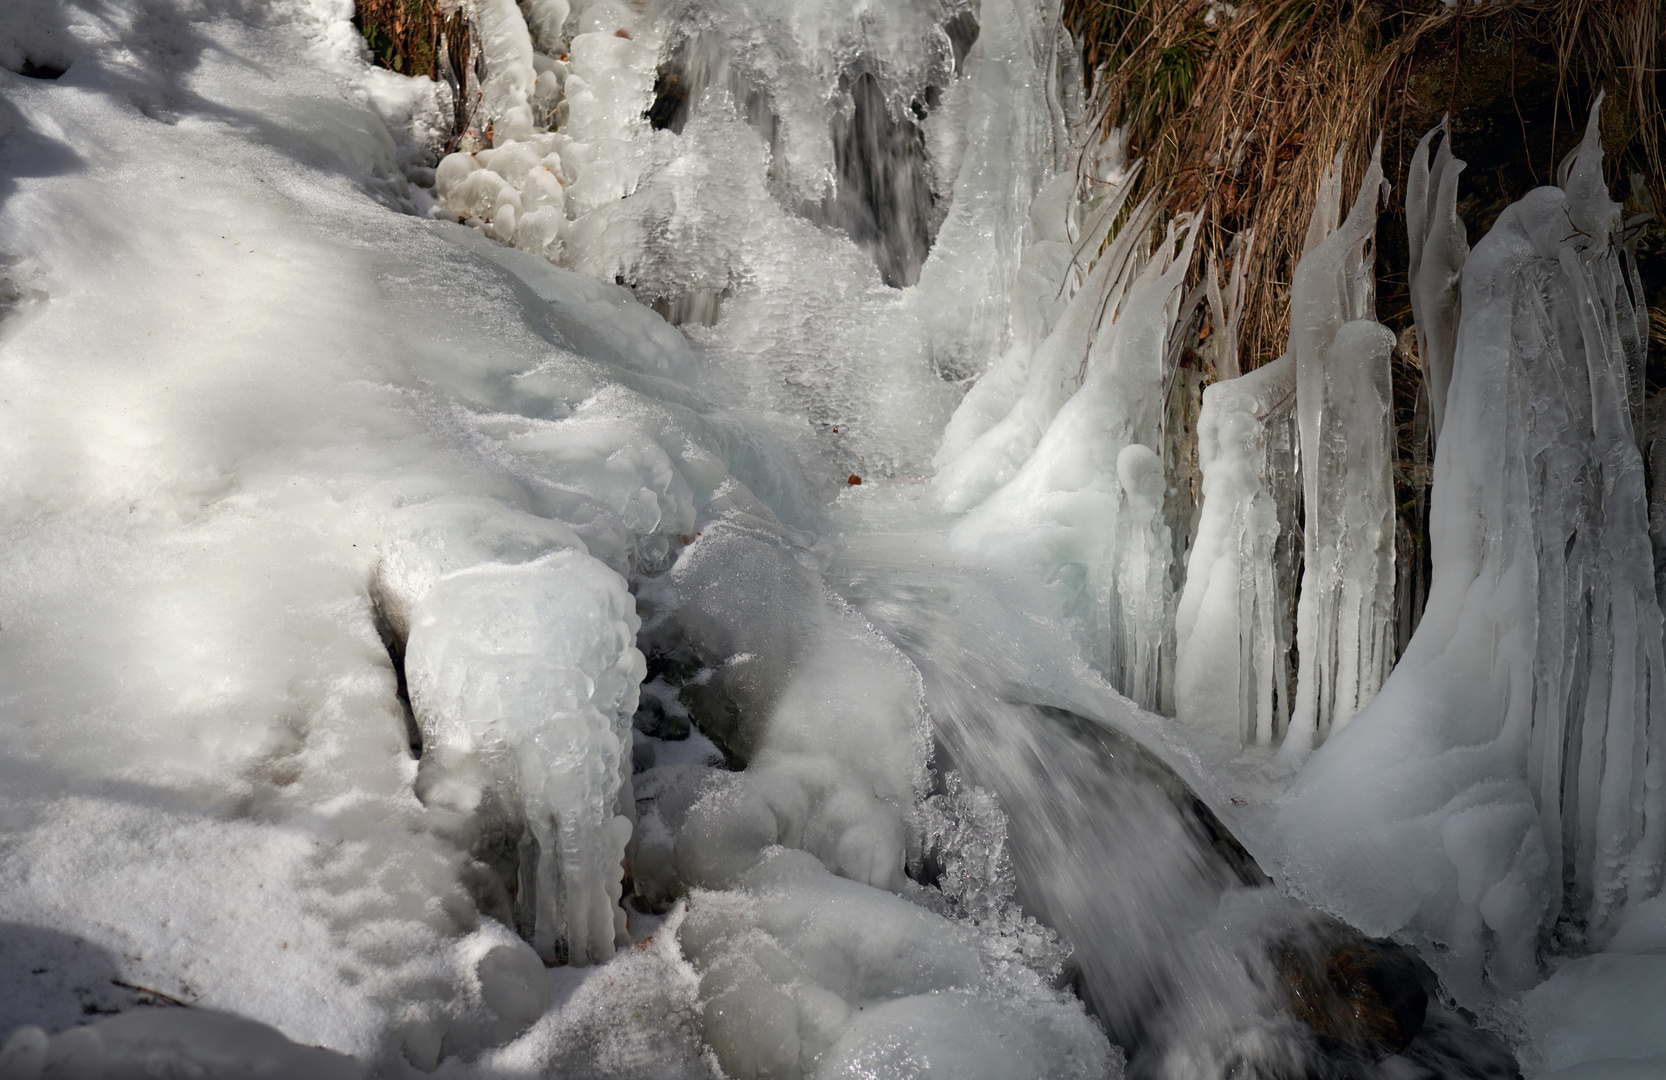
column 982, row 451
column 806, row 974
column 1344, row 613
column 1045, row 276
column 506, row 52
column 1084, row 511
column 1232, row 624
column 734, row 217
column 353, row 524
column 1597, row 1009
column 1501, row 781
column 535, row 665
column 802, row 919
column 1438, row 247
column 275, row 455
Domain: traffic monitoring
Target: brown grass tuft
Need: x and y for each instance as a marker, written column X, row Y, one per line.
column 1243, row 115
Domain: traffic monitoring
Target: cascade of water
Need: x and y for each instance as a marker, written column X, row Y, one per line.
column 1177, row 940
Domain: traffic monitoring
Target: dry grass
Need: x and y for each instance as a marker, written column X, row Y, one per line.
column 417, row 37
column 1243, row 117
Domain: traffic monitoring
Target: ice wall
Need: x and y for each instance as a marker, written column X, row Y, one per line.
column 1344, row 614
column 737, row 216
column 1508, row 778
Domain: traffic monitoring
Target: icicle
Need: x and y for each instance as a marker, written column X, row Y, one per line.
column 1438, row 247
column 1226, row 310
column 1232, row 627
column 1344, row 626
column 1513, row 764
column 506, row 47
column 1055, row 372
column 1039, row 300
column 1083, row 512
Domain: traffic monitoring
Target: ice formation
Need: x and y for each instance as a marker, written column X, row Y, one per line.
column 1438, row 247
column 1084, row 509
column 730, row 167
column 1507, row 778
column 1345, row 609
column 1233, row 624
column 346, row 547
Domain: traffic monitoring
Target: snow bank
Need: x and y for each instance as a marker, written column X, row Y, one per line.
column 269, row 447
column 163, row 1042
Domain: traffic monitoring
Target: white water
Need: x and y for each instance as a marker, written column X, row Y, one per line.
column 275, row 441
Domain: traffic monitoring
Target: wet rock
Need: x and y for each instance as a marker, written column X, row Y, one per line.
column 1363, row 993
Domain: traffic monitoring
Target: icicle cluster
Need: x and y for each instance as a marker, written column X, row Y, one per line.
column 1069, row 481
column 1344, row 616
column 1514, row 764
column 1438, row 249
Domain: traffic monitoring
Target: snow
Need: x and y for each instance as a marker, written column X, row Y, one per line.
column 248, row 408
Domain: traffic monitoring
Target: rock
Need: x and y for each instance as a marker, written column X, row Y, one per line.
column 1365, row 993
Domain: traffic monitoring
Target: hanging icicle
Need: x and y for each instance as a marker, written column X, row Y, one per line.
column 1344, row 623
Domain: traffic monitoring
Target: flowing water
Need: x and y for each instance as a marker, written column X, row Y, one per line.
column 1182, row 946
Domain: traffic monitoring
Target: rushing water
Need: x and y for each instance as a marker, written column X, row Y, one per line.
column 1181, row 945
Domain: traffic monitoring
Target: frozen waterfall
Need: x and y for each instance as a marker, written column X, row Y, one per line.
column 698, row 572
column 1508, row 773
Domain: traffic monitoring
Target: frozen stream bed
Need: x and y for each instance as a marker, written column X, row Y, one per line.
column 423, row 655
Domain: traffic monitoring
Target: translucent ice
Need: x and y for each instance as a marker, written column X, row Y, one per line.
column 1232, row 625
column 1343, row 410
column 1508, row 774
column 1438, row 248
column 1084, row 510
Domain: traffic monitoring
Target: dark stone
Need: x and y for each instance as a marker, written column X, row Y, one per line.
column 670, row 107
column 32, row 70
column 642, row 755
column 1363, row 993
